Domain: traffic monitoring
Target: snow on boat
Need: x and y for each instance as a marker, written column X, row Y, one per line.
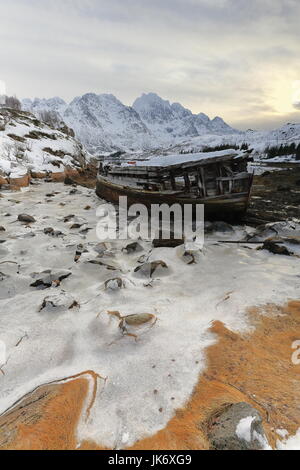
column 219, row 180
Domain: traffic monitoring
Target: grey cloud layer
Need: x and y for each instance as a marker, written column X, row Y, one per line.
column 213, row 56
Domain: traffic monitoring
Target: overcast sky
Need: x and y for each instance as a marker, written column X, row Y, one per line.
column 239, row 59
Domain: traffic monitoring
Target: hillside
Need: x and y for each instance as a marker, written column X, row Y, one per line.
column 28, row 145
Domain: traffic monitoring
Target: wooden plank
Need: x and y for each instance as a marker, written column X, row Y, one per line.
column 202, row 173
column 172, row 179
column 187, row 180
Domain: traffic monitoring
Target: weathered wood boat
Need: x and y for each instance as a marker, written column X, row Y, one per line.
column 219, row 180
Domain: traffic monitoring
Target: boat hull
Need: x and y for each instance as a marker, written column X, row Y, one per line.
column 227, row 206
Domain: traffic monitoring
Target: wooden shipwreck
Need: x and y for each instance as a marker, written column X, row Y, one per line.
column 219, row 180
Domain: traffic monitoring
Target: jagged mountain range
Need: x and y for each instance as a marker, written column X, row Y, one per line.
column 103, row 124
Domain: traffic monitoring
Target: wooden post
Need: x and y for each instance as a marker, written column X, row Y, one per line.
column 173, row 183
column 187, row 181
column 203, row 181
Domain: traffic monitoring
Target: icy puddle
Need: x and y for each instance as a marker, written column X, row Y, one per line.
column 67, row 303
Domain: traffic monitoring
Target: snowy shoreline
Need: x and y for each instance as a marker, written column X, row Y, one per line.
column 186, row 299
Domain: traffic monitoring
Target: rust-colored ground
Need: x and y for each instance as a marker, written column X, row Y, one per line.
column 47, row 418
column 255, row 367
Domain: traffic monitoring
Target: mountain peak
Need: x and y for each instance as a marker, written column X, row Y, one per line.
column 103, row 123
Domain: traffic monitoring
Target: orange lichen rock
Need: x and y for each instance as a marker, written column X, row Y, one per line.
column 47, row 417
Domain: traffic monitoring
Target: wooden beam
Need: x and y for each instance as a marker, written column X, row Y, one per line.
column 202, row 173
column 187, row 181
column 172, row 179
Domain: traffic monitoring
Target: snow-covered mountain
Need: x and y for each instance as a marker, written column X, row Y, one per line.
column 172, row 121
column 103, row 123
column 29, row 145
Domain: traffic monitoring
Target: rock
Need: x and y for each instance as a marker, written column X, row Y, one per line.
column 48, row 230
column 114, row 284
column 57, row 233
column 3, row 181
column 237, row 427
column 76, row 226
column 2, row 229
column 189, row 257
column 74, row 191
column 273, row 247
column 87, row 208
column 262, row 232
column 26, row 218
column 134, row 247
column 68, row 181
column 38, row 175
column 60, row 301
column 79, row 250
column 100, row 263
column 167, row 243
column 49, row 278
column 52, row 232
column 68, row 218
column 220, row 226
column 147, row 269
column 20, row 182
column 139, row 319
column 100, row 248
column 85, row 230
column 293, row 240
column 48, row 414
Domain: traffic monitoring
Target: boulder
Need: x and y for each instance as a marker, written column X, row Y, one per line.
column 58, row 302
column 133, row 247
column 148, row 269
column 273, row 247
column 20, row 181
column 237, row 427
column 138, row 319
column 38, row 174
column 58, row 176
column 114, row 284
column 48, row 230
column 68, row 181
column 26, row 218
column 167, row 243
column 49, row 278
column 3, row 180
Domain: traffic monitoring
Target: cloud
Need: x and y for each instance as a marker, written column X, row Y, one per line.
column 227, row 57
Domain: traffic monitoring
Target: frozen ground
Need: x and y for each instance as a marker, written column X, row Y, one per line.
column 148, row 378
